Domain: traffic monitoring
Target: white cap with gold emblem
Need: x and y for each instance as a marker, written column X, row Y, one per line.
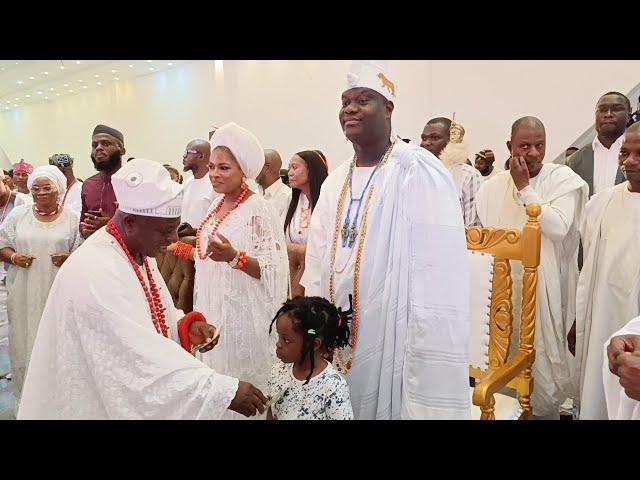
column 373, row 74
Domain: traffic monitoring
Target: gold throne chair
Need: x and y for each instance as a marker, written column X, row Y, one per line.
column 502, row 371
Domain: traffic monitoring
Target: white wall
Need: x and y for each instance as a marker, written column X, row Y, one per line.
column 293, row 105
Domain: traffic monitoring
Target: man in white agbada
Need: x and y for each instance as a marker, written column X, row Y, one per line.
column 621, row 372
column 103, row 349
column 609, row 286
column 198, row 191
column 271, row 185
column 388, row 230
column 562, row 194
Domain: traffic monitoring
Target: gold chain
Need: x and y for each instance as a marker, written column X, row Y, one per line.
column 341, row 365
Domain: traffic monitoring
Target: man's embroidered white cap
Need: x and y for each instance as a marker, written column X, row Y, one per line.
column 144, row 187
column 373, row 74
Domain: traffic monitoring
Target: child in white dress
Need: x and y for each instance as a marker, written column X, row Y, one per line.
column 304, row 385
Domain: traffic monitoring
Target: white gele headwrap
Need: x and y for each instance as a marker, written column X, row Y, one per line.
column 51, row 173
column 244, row 145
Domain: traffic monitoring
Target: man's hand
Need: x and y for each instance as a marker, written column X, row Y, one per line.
column 619, row 345
column 248, row 400
column 220, row 250
column 571, row 339
column 628, row 365
column 519, row 172
column 23, row 260
column 94, row 222
column 186, row 230
column 202, row 332
column 59, row 258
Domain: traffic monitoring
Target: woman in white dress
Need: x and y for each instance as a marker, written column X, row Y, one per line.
column 35, row 239
column 307, row 172
column 242, row 271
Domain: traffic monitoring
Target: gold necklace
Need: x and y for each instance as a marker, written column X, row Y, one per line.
column 341, row 365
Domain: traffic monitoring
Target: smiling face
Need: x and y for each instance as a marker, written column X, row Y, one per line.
column 224, row 172
column 365, row 115
column 629, row 158
column 45, row 193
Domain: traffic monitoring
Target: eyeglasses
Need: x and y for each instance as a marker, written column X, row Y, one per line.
column 45, row 189
column 193, row 152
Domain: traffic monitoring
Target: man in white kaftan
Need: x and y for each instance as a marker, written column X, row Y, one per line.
column 609, row 286
column 98, row 354
column 502, row 202
column 403, row 250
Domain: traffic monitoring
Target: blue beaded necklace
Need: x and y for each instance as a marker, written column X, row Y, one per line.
column 350, row 230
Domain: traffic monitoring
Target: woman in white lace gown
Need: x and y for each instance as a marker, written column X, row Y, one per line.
column 243, row 278
column 35, row 239
column 307, row 172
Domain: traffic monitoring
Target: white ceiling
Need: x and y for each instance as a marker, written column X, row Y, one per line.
column 27, row 82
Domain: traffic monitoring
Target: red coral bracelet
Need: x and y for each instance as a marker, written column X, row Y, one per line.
column 183, row 251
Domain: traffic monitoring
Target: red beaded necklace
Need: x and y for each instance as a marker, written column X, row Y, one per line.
column 153, row 297
column 241, row 198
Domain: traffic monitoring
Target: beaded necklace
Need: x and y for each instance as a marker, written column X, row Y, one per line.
column 153, row 297
column 241, row 198
column 344, row 365
column 350, row 230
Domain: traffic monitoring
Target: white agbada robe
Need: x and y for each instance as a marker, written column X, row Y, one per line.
column 240, row 305
column 562, row 195
column 411, row 360
column 609, row 286
column 98, row 355
column 493, row 173
column 28, row 288
column 619, row 405
column 198, row 195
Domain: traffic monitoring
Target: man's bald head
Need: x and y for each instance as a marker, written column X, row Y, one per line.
column 196, row 157
column 271, row 170
column 202, row 146
column 629, row 156
column 633, row 129
column 528, row 142
column 531, row 123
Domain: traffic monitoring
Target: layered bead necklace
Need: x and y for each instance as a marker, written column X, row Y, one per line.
column 47, row 214
column 350, row 230
column 153, row 296
column 344, row 365
column 216, row 226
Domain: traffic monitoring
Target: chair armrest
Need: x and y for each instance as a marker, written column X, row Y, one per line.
column 499, row 378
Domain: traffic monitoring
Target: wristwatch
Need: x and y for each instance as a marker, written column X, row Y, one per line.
column 234, row 262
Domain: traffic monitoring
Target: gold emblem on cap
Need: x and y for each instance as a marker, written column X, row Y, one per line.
column 388, row 84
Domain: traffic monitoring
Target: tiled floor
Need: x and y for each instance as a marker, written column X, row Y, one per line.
column 7, row 400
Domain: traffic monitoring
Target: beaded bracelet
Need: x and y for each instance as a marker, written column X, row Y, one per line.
column 183, row 251
column 242, row 261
